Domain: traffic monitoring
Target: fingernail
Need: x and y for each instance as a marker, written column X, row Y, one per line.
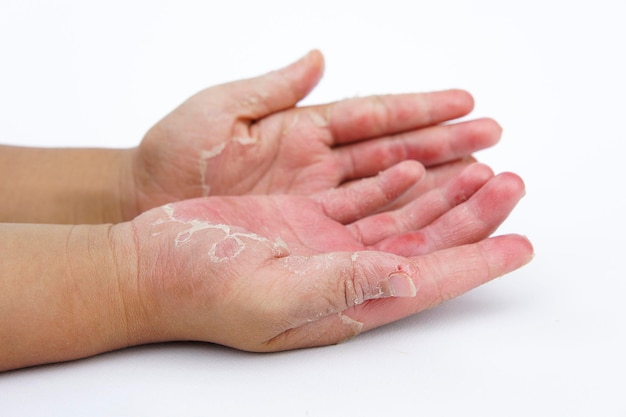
column 401, row 285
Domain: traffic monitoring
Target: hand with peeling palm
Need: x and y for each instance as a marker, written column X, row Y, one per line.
column 373, row 210
column 247, row 137
column 265, row 273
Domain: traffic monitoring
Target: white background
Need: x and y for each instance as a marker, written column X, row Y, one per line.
column 547, row 340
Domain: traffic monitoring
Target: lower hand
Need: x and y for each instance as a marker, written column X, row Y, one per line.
column 266, row 273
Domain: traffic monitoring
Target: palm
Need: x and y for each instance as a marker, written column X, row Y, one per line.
column 248, row 138
column 263, row 272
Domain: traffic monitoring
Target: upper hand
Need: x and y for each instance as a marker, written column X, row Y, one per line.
column 246, row 137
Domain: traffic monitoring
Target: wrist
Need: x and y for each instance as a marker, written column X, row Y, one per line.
column 127, row 185
column 135, row 305
column 101, row 268
column 102, row 264
column 67, row 292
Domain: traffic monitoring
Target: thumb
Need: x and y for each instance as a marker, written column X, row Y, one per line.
column 331, row 283
column 277, row 90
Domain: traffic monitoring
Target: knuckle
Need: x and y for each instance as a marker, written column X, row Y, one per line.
column 379, row 115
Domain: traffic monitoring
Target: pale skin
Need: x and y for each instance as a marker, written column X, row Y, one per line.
column 306, row 264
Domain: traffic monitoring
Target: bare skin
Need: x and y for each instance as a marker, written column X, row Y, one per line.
column 260, row 273
column 246, row 137
column 331, row 250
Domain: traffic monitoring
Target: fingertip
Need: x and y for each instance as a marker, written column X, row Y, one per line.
column 282, row 88
column 520, row 250
column 399, row 284
column 468, row 182
column 488, row 130
column 511, row 183
column 311, row 65
column 479, row 172
column 411, row 169
column 494, row 125
column 447, row 105
column 525, row 242
column 317, row 58
column 463, row 99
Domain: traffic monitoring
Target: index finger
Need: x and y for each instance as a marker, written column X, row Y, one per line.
column 370, row 117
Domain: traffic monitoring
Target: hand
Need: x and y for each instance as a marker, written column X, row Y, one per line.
column 265, row 273
column 247, row 137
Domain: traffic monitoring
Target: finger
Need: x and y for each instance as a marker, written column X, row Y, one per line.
column 422, row 211
column 466, row 223
column 278, row 90
column 431, row 146
column 435, row 177
column 441, row 276
column 360, row 198
column 447, row 274
column 327, row 284
column 357, row 119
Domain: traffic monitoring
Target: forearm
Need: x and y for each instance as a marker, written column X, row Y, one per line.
column 68, row 186
column 65, row 293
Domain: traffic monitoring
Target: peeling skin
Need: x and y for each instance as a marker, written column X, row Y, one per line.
column 204, row 157
column 213, row 152
column 355, row 326
column 302, row 265
column 320, row 120
column 291, row 125
column 245, row 140
column 254, row 99
column 323, row 263
column 229, row 247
